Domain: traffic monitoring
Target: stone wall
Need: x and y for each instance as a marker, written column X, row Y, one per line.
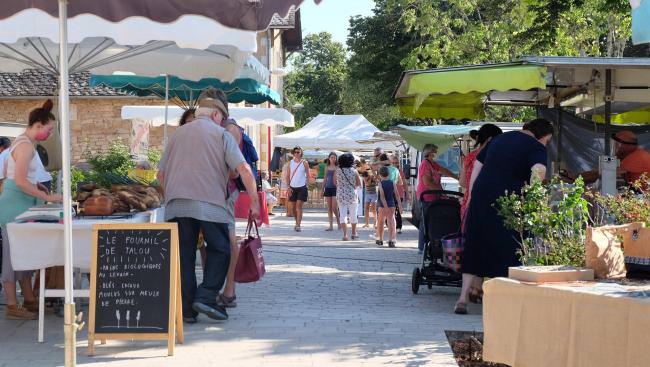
column 95, row 123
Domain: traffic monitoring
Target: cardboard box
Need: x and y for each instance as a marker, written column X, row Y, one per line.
column 549, row 274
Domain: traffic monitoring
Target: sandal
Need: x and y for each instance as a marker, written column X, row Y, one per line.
column 475, row 295
column 379, row 243
column 225, row 301
column 330, row 229
column 460, row 308
column 345, row 238
column 355, row 236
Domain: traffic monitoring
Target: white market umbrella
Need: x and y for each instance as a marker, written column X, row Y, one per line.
column 243, row 115
column 200, row 47
column 20, row 20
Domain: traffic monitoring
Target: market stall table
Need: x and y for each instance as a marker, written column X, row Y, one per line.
column 40, row 246
column 243, row 205
column 575, row 324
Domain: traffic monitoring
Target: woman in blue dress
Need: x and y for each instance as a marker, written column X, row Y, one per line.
column 505, row 165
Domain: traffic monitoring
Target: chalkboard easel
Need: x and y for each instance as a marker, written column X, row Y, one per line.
column 135, row 291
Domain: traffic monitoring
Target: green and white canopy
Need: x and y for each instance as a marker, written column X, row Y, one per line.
column 185, row 92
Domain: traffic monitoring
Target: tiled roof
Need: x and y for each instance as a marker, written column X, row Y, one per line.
column 36, row 83
column 288, row 22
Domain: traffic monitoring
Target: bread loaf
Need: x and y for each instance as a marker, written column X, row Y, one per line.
column 83, row 195
column 132, row 199
column 120, row 206
column 98, row 205
column 88, row 187
column 101, row 192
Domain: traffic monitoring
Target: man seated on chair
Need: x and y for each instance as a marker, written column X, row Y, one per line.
column 271, row 200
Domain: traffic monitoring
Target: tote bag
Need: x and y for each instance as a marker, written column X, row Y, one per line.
column 452, row 248
column 250, row 265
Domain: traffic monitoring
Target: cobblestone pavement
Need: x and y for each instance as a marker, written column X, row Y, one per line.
column 323, row 302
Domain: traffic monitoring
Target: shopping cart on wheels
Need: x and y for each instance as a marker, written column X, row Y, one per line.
column 441, row 220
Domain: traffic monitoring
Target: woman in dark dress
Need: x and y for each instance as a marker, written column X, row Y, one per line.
column 505, row 165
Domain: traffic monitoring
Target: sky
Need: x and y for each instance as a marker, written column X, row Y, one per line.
column 333, row 16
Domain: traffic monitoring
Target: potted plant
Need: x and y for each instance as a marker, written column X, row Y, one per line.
column 550, row 222
column 618, row 244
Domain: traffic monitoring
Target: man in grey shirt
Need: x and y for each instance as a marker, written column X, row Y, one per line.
column 194, row 172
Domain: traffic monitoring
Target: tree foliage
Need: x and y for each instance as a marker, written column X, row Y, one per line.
column 377, row 44
column 460, row 32
column 318, row 77
column 418, row 34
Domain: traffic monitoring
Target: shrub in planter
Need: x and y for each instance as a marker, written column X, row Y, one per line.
column 630, row 205
column 549, row 221
column 629, row 243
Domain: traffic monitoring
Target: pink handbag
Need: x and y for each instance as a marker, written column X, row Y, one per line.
column 250, row 265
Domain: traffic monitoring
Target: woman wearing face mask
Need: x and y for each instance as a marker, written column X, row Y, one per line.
column 430, row 174
column 511, row 160
column 19, row 194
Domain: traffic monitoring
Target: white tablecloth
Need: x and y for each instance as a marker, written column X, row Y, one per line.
column 40, row 245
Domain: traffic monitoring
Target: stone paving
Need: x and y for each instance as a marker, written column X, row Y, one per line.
column 323, row 302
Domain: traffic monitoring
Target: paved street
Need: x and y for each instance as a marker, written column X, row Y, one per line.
column 323, row 302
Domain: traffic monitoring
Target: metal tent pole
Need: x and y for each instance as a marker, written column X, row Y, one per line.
column 166, row 110
column 559, row 138
column 608, row 111
column 608, row 162
column 69, row 324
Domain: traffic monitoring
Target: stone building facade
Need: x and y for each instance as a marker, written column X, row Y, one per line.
column 95, row 122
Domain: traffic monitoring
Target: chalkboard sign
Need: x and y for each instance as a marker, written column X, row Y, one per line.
column 135, row 292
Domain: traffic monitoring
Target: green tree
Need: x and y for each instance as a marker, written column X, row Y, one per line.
column 460, row 32
column 318, row 77
column 377, row 44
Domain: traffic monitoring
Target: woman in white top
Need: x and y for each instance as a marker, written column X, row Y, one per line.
column 21, row 192
column 297, row 177
column 347, row 181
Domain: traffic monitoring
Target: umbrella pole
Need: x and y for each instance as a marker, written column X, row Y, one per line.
column 166, row 110
column 69, row 325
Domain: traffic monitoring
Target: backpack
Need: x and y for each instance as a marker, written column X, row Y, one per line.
column 248, row 150
column 250, row 155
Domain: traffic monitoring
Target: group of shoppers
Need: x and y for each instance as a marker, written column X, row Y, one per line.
column 347, row 183
column 501, row 163
column 198, row 172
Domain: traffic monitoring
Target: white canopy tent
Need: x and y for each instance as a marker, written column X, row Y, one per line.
column 243, row 115
column 334, row 132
